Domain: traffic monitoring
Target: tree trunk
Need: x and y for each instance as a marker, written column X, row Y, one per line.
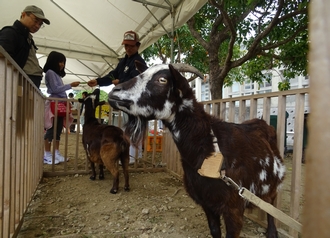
column 216, row 79
column 216, row 83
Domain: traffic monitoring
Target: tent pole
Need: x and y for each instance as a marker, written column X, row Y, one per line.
column 172, row 38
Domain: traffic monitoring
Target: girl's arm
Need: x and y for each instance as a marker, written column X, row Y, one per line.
column 54, row 83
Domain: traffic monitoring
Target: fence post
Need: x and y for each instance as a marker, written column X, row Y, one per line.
column 316, row 218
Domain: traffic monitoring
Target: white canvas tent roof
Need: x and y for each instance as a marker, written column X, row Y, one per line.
column 89, row 32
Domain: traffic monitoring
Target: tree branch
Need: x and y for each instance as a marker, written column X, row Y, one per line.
column 255, row 46
column 292, row 14
column 194, row 33
column 288, row 39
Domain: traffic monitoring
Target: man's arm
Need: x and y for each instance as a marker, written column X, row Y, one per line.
column 108, row 79
column 8, row 40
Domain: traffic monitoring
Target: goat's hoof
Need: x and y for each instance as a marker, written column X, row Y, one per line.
column 92, row 177
column 113, row 191
column 101, row 177
column 271, row 235
column 126, row 189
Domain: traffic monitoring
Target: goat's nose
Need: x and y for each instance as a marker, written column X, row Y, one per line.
column 116, row 89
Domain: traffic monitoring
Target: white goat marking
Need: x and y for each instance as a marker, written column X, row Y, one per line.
column 186, row 104
column 263, row 175
column 166, row 112
column 264, row 163
column 265, row 189
column 278, row 168
column 171, row 118
column 267, row 161
column 137, row 110
column 136, row 129
column 87, row 150
column 176, row 135
column 252, row 188
column 175, row 132
column 134, row 94
column 233, row 163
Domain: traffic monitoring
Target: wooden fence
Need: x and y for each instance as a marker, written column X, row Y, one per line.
column 71, row 147
column 21, row 153
column 21, row 150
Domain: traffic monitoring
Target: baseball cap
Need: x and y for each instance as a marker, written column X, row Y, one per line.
column 37, row 12
column 130, row 38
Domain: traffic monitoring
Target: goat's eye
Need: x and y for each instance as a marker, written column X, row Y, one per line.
column 162, row 80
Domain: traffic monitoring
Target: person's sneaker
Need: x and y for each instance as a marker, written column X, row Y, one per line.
column 48, row 159
column 59, row 157
column 131, row 160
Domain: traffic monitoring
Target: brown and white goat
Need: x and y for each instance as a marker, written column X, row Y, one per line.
column 252, row 158
column 104, row 144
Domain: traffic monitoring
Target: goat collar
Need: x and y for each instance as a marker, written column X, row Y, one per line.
column 214, row 165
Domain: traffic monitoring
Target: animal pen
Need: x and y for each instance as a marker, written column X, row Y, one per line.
column 23, row 145
column 21, row 128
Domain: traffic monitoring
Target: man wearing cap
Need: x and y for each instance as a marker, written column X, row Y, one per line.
column 125, row 69
column 17, row 40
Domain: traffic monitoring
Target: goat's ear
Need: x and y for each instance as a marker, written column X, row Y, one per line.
column 179, row 81
column 81, row 100
column 101, row 103
column 140, row 66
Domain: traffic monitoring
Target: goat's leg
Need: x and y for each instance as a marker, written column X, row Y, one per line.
column 101, row 175
column 124, row 164
column 213, row 222
column 115, row 184
column 233, row 218
column 271, row 228
column 93, row 176
column 109, row 153
column 112, row 166
column 271, row 231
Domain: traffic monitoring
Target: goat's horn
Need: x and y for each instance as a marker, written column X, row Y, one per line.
column 181, row 67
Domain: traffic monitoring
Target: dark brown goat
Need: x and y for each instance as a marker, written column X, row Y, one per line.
column 252, row 158
column 104, row 144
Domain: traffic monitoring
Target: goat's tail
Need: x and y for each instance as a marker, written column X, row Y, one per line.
column 124, row 145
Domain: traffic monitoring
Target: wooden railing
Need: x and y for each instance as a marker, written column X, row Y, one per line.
column 71, row 147
column 242, row 108
column 21, row 153
column 21, row 150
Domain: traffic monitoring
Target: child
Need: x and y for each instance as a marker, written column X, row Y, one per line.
column 54, row 69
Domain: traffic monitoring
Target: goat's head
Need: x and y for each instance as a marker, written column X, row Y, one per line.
column 157, row 93
column 91, row 101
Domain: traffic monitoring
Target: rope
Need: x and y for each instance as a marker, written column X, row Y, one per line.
column 212, row 167
column 267, row 207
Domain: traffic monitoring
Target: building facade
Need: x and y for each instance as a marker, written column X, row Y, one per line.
column 202, row 93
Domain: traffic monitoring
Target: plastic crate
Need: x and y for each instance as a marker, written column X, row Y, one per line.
column 150, row 143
